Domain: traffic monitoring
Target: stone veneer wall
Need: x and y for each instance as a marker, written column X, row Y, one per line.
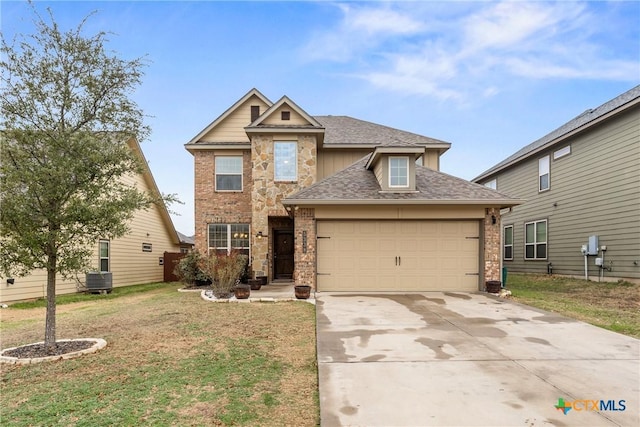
column 218, row 207
column 267, row 195
column 491, row 245
column 305, row 248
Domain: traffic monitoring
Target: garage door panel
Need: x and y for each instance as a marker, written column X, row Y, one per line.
column 398, row 255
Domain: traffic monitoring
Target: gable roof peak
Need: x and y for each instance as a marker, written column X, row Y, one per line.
column 229, row 111
column 279, row 103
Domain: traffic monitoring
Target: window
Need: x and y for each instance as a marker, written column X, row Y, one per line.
column 285, row 115
column 286, row 161
column 229, row 173
column 535, row 241
column 255, row 113
column 507, row 240
column 103, row 254
column 562, row 152
column 543, row 173
column 225, row 237
column 398, row 171
column 493, row 184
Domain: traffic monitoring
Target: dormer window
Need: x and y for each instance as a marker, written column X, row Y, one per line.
column 285, row 115
column 398, row 172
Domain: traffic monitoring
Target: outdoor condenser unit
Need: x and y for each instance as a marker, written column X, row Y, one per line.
column 99, row 281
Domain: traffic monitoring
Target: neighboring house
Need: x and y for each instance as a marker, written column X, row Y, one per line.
column 581, row 180
column 186, row 243
column 340, row 203
column 133, row 259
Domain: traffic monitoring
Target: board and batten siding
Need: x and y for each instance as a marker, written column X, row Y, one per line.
column 331, row 161
column 231, row 128
column 128, row 263
column 594, row 190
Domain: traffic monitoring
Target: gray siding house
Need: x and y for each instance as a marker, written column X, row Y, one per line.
column 579, row 181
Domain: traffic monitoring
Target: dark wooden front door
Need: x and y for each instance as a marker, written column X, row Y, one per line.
column 283, row 254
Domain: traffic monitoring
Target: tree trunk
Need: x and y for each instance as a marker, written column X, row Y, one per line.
column 50, row 322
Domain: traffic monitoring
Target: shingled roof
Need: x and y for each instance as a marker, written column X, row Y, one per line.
column 584, row 120
column 345, row 130
column 358, row 185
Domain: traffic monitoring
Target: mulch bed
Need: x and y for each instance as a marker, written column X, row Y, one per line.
column 39, row 350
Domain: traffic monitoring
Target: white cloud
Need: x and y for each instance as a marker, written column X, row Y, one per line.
column 379, row 21
column 427, row 49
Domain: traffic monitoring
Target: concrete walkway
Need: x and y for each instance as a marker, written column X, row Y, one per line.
column 468, row 360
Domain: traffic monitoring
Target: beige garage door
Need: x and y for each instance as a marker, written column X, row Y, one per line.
column 398, row 255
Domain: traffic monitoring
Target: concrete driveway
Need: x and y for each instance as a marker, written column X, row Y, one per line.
column 419, row 359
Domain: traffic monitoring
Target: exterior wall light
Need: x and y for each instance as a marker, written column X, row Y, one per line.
column 260, row 235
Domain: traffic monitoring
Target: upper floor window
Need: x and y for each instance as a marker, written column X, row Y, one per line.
column 225, row 237
column 103, row 253
column 228, row 173
column 507, row 240
column 285, row 115
column 543, row 173
column 398, row 171
column 564, row 151
column 286, row 161
column 493, row 184
column 535, row 240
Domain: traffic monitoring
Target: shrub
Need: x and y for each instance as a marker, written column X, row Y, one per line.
column 224, row 271
column 189, row 269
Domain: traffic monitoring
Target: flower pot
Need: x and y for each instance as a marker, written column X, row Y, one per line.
column 263, row 280
column 255, row 284
column 302, row 291
column 242, row 291
column 493, row 286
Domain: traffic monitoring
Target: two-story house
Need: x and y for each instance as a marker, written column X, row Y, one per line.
column 581, row 184
column 340, row 203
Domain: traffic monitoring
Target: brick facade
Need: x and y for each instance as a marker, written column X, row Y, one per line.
column 491, row 245
column 219, row 207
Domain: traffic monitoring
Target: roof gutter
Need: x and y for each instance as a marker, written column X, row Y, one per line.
column 345, row 202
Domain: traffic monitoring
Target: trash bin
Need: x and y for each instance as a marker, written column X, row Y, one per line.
column 493, row 286
column 504, row 276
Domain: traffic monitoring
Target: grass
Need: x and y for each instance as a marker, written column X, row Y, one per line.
column 171, row 359
column 79, row 297
column 613, row 306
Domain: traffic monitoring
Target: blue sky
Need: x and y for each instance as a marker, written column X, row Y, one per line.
column 489, row 77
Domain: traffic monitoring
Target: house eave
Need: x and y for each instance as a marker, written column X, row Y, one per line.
column 502, row 203
column 556, row 141
column 216, row 146
column 275, row 129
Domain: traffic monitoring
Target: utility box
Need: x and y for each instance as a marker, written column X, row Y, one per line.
column 97, row 281
column 592, row 246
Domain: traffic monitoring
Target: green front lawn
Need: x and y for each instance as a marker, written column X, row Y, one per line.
column 171, row 359
column 613, row 306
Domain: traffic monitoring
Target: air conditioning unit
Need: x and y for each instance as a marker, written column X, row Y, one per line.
column 97, row 281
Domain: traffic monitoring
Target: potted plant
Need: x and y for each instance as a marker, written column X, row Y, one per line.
column 493, row 286
column 255, row 284
column 242, row 291
column 302, row 291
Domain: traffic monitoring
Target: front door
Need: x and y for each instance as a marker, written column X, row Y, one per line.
column 283, row 254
